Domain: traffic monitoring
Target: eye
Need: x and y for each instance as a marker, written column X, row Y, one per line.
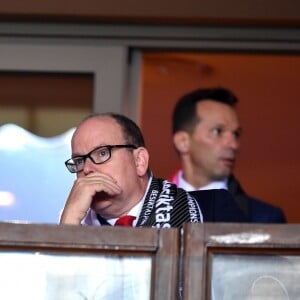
column 103, row 152
column 237, row 134
column 100, row 155
column 78, row 161
column 217, row 131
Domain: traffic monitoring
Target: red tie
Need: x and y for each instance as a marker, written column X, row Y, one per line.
column 125, row 221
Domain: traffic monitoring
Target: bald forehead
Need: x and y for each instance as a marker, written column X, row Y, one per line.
column 99, row 120
column 98, row 123
column 98, row 130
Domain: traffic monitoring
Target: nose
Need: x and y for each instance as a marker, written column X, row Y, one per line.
column 232, row 141
column 88, row 167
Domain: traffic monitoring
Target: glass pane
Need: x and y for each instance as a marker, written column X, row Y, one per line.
column 42, row 276
column 255, row 277
column 34, row 182
column 38, row 112
column 46, row 104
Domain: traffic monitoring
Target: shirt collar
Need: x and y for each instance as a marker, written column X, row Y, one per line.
column 221, row 184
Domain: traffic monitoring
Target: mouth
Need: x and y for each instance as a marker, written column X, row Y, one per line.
column 100, row 196
column 100, row 201
column 229, row 162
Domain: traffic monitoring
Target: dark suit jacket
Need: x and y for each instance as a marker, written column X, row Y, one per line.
column 256, row 210
column 236, row 206
column 219, row 206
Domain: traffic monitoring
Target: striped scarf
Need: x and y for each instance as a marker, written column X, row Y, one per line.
column 167, row 206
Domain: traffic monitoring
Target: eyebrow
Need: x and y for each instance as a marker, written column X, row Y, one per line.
column 103, row 145
column 77, row 154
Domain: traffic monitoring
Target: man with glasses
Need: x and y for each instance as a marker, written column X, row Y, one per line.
column 111, row 161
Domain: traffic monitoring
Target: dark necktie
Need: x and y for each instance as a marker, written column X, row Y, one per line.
column 125, row 221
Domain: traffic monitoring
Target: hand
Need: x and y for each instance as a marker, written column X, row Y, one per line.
column 82, row 193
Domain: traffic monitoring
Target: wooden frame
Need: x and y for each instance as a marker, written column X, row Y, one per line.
column 65, row 241
column 239, row 257
column 107, row 64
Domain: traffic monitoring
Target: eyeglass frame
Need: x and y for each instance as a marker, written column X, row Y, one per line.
column 88, row 155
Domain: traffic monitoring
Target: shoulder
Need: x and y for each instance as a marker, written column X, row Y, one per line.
column 257, row 210
column 264, row 212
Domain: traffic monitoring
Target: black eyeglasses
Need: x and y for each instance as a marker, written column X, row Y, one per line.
column 98, row 156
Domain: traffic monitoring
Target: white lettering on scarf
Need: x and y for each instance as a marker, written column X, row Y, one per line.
column 193, row 209
column 164, row 207
column 164, row 200
column 150, row 205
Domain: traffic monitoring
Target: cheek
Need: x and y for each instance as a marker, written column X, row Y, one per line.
column 204, row 150
column 124, row 170
column 201, row 144
column 208, row 143
column 126, row 178
column 201, row 155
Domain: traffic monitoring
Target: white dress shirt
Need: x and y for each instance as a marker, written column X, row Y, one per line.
column 222, row 184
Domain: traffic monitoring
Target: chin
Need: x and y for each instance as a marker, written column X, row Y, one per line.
column 222, row 175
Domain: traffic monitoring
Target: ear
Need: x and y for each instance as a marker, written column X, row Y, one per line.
column 181, row 141
column 141, row 156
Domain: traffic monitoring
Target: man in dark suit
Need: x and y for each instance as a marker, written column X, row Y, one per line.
column 206, row 136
